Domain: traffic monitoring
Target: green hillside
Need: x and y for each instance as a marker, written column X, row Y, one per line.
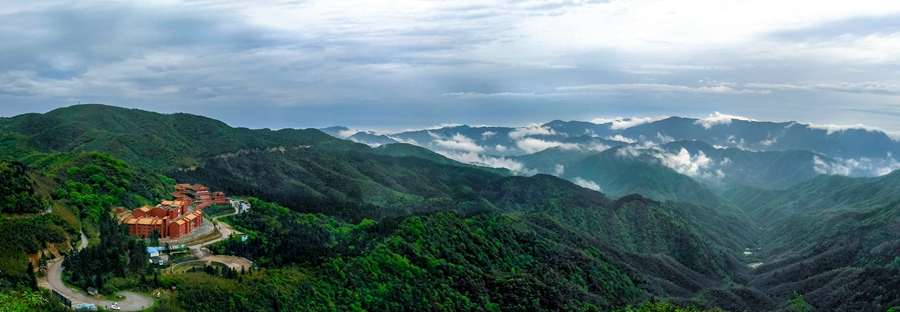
column 341, row 226
column 620, row 175
column 825, row 192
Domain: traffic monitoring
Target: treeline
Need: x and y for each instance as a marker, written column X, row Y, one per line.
column 117, row 255
column 93, row 182
column 441, row 261
column 22, row 236
column 17, row 190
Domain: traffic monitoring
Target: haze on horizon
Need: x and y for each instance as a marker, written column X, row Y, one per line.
column 415, row 64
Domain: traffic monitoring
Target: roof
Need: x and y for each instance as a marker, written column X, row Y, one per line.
column 145, row 221
column 145, row 208
column 199, row 187
column 130, row 220
column 182, row 186
column 168, row 203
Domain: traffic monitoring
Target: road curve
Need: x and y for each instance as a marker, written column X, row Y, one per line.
column 133, row 301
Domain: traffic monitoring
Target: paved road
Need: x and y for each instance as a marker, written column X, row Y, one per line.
column 223, row 227
column 84, row 241
column 132, row 302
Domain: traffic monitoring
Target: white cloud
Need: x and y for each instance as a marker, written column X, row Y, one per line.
column 476, row 95
column 441, row 126
column 850, row 87
column 893, row 135
column 662, row 88
column 558, row 171
column 823, row 167
column 598, row 147
column 500, row 148
column 495, row 162
column 347, row 133
column 533, row 129
column 532, row 145
column 620, row 138
column 769, row 142
column 628, row 151
column 588, row 184
column 487, row 134
column 401, row 140
column 620, row 123
column 664, row 138
column 457, row 142
column 719, row 119
column 725, row 161
column 684, row 163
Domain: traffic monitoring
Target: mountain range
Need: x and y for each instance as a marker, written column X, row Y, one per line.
column 560, row 216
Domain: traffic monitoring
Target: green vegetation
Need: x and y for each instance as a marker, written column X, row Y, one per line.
column 117, row 256
column 16, row 190
column 26, row 300
column 216, row 210
column 21, row 236
column 340, row 226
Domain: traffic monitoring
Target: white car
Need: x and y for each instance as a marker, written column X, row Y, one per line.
column 115, row 306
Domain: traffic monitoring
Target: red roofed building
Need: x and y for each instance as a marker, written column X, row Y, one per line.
column 171, row 217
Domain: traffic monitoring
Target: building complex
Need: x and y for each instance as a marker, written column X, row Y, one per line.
column 173, row 219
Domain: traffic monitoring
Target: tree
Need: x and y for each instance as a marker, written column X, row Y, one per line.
column 798, row 304
column 168, row 248
column 32, row 281
column 154, row 238
column 42, row 263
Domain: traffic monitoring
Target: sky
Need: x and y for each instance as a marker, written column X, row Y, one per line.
column 392, row 65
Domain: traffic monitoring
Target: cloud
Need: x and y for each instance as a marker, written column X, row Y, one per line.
column 532, row 145
column 513, row 95
column 620, row 123
column 347, row 133
column 487, row 134
column 664, row 138
column 620, row 138
column 500, row 148
column 719, row 119
column 588, row 184
column 597, row 147
column 457, row 142
column 628, row 151
column 558, row 170
column 893, row 135
column 684, row 163
column 849, row 87
column 495, row 162
column 401, row 140
column 533, row 129
column 660, row 69
column 823, row 167
column 662, row 88
column 769, row 141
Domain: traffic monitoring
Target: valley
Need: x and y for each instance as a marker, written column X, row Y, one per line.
column 670, row 213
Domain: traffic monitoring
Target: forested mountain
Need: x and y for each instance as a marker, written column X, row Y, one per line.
column 720, row 130
column 825, row 192
column 590, row 222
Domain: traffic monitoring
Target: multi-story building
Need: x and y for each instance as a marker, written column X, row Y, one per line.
column 171, row 217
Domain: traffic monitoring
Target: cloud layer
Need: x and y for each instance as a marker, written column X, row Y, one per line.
column 411, row 64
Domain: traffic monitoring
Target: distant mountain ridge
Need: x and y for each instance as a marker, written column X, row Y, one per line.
column 722, row 151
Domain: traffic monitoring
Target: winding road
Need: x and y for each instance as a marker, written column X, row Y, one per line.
column 133, row 301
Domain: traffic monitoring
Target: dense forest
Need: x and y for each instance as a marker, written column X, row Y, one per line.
column 337, row 225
